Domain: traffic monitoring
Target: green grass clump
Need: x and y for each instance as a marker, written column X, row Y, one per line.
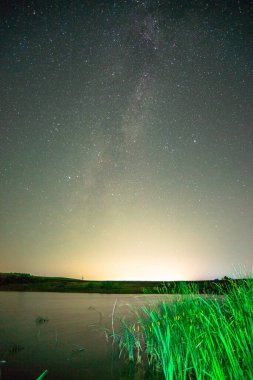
column 194, row 337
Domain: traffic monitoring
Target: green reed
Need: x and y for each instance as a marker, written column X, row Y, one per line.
column 194, row 337
column 42, row 375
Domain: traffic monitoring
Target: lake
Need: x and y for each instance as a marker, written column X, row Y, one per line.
column 71, row 344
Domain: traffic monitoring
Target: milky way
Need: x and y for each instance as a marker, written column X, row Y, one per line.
column 126, row 139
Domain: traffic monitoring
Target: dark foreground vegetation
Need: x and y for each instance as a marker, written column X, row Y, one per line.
column 28, row 282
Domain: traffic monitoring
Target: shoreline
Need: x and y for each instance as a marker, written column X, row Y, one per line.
column 28, row 283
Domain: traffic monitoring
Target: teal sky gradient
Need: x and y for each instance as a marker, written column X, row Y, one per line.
column 126, row 139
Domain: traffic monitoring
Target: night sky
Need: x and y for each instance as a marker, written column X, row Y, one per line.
column 126, row 138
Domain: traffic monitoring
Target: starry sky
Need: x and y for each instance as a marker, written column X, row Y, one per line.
column 126, row 138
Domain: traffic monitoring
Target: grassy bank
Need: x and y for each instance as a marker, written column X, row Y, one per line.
column 27, row 282
column 195, row 337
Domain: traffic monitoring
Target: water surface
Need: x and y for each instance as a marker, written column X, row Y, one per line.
column 72, row 343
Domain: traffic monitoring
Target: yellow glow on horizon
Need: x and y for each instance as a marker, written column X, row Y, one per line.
column 146, row 253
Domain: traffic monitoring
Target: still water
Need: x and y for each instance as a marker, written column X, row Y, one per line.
column 71, row 344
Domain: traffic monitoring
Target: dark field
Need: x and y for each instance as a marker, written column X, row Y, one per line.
column 27, row 282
